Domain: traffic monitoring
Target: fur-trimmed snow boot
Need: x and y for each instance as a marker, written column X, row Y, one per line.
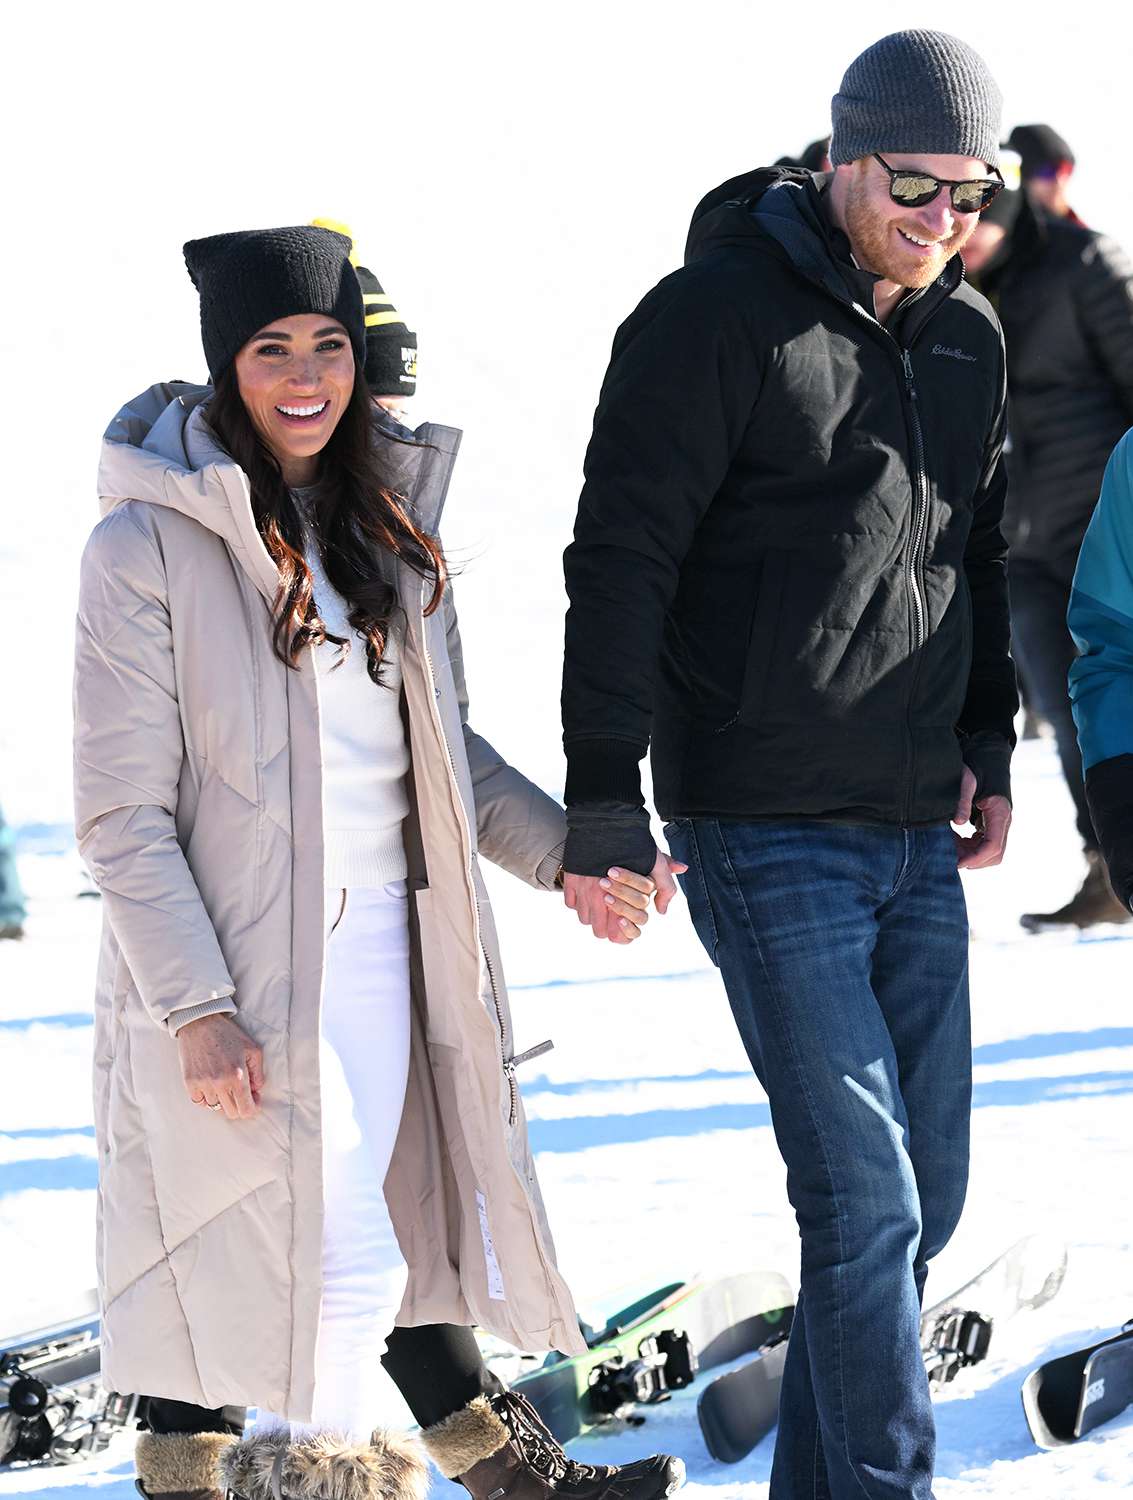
column 325, row 1466
column 498, row 1446
column 180, row 1466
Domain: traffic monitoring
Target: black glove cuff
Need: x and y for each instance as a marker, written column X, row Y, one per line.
column 603, row 834
column 988, row 756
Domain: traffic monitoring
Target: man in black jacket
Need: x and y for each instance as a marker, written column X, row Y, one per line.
column 1064, row 295
column 788, row 575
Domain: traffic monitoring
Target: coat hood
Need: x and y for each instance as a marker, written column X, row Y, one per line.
column 779, row 210
column 773, row 209
column 160, row 448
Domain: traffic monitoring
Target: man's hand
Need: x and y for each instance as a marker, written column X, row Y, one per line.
column 992, row 819
column 616, row 906
column 222, row 1067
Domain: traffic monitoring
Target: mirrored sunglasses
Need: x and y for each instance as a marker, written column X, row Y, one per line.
column 915, row 189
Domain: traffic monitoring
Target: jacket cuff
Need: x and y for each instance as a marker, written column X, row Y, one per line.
column 988, row 756
column 603, row 834
column 1109, row 792
column 604, row 770
column 547, row 870
column 222, row 1006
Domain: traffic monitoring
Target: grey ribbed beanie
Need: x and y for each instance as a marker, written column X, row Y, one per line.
column 917, row 91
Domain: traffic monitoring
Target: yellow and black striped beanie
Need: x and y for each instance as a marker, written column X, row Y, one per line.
column 391, row 346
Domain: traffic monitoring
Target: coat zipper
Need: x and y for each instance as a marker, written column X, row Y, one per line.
column 916, row 555
column 507, row 1066
column 920, row 503
column 919, row 539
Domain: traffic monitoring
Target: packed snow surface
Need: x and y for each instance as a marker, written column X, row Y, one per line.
column 655, row 1150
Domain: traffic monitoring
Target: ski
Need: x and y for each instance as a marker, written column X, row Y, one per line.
column 956, row 1332
column 655, row 1346
column 738, row 1409
column 1067, row 1397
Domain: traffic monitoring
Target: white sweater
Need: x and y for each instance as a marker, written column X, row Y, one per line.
column 365, row 754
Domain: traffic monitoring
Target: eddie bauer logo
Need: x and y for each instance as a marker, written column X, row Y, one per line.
column 969, row 359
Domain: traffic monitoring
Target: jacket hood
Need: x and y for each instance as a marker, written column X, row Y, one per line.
column 780, row 209
column 160, row 448
column 771, row 207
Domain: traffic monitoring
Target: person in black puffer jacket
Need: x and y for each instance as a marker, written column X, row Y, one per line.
column 1064, row 295
column 788, row 575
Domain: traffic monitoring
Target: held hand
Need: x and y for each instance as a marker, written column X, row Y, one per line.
column 992, row 819
column 222, row 1067
column 616, row 906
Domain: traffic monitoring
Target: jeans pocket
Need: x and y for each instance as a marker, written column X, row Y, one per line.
column 683, row 845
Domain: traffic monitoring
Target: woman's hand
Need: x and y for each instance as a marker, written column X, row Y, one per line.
column 617, row 906
column 625, row 896
column 222, row 1067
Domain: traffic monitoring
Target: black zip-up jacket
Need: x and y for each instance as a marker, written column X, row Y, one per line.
column 788, row 569
column 1064, row 295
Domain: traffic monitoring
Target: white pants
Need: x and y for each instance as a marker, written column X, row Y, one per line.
column 364, row 1065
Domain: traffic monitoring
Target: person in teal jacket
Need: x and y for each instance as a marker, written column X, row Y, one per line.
column 13, row 908
column 1101, row 679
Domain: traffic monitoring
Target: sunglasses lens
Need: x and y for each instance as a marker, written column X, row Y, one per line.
column 971, row 197
column 914, row 189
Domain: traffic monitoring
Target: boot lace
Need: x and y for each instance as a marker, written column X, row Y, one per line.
column 539, row 1448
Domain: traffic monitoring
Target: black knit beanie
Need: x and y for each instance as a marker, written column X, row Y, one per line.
column 251, row 277
column 1039, row 146
column 391, row 347
column 917, row 92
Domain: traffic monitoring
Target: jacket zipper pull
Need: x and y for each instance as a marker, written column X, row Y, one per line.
column 532, row 1052
column 907, row 363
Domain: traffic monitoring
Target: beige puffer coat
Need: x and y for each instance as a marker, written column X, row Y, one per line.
column 199, row 811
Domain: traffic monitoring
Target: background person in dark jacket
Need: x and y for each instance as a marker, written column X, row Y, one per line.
column 1064, row 295
column 1047, row 167
column 791, row 525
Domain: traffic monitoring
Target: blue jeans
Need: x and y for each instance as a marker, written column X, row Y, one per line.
column 844, row 952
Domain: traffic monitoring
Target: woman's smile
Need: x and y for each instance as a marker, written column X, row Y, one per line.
column 307, row 414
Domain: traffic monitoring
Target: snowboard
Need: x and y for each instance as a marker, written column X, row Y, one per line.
column 737, row 1410
column 656, row 1345
column 1068, row 1397
column 956, row 1332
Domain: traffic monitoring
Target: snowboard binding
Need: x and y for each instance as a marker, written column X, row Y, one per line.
column 956, row 1340
column 54, row 1409
column 665, row 1362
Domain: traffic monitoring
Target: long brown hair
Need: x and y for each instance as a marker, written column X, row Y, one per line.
column 357, row 518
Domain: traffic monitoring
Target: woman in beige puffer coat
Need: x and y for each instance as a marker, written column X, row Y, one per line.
column 200, row 810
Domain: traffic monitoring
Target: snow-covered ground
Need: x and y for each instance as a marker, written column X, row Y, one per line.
column 654, row 1146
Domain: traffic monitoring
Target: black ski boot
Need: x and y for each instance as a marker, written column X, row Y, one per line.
column 1094, row 903
column 498, row 1448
